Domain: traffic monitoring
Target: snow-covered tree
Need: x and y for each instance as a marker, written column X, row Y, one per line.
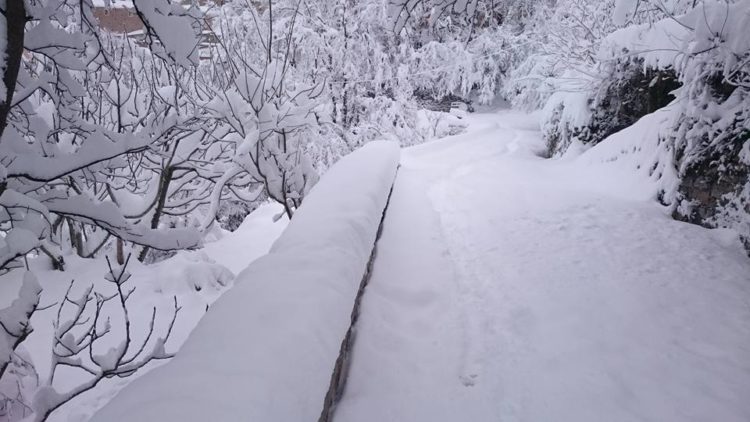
column 58, row 155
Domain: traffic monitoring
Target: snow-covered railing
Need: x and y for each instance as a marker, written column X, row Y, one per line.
column 267, row 348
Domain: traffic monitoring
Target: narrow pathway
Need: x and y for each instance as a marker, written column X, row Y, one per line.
column 512, row 288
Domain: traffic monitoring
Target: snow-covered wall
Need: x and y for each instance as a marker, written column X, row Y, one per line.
column 265, row 351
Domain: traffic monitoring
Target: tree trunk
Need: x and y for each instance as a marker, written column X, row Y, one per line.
column 15, row 19
column 120, row 253
column 166, row 179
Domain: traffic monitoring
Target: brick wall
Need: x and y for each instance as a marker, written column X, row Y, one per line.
column 120, row 20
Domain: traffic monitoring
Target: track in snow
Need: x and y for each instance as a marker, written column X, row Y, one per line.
column 512, row 288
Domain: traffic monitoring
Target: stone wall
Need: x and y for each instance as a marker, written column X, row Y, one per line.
column 341, row 368
column 716, row 190
column 121, row 20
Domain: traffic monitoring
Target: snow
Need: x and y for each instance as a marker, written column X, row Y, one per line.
column 196, row 278
column 18, row 242
column 679, row 41
column 505, row 286
column 253, row 238
column 623, row 10
column 113, row 3
column 107, row 216
column 15, row 318
column 508, row 286
column 174, row 26
column 640, row 153
column 660, row 45
column 96, row 149
column 516, row 288
column 266, row 350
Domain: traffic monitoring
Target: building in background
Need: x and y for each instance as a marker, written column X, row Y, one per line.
column 120, row 17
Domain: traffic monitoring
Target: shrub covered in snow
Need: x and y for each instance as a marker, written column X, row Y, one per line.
column 710, row 135
column 624, row 94
column 638, row 57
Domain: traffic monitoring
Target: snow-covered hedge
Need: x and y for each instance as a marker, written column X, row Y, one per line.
column 266, row 350
column 709, row 132
column 627, row 91
column 681, row 67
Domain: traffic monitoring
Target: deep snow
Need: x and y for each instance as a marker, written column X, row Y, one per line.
column 510, row 287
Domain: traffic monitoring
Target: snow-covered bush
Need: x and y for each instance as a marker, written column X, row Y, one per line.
column 557, row 51
column 402, row 121
column 692, row 54
column 368, row 74
column 268, row 109
column 710, row 52
column 597, row 67
column 624, row 93
column 84, row 320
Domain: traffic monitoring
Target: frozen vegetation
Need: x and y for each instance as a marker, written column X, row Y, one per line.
column 375, row 210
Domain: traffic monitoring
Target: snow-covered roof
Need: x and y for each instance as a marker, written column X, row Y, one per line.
column 117, row 4
column 121, row 4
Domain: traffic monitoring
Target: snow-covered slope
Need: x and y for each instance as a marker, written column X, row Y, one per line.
column 266, row 349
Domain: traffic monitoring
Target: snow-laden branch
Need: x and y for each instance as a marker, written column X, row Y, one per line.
column 96, row 149
column 14, row 320
column 172, row 29
column 81, row 324
column 107, row 216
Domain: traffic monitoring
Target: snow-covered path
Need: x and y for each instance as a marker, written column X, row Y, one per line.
column 512, row 288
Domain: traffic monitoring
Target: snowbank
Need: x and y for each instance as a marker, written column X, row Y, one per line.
column 636, row 159
column 266, row 350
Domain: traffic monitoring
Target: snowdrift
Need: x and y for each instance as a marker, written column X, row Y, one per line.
column 636, row 159
column 266, row 350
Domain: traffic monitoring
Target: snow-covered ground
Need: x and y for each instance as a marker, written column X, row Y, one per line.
column 510, row 287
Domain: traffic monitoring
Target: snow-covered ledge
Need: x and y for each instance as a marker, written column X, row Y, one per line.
column 267, row 348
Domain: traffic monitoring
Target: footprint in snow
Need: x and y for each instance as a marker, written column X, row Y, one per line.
column 469, row 380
